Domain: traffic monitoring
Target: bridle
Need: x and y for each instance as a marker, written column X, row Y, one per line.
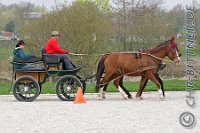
column 174, row 47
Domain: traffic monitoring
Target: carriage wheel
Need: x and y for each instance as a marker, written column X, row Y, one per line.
column 83, row 82
column 26, row 88
column 66, row 87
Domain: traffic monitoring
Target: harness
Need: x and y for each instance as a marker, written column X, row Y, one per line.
column 144, row 65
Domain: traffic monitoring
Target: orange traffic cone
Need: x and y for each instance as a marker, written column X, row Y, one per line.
column 79, row 97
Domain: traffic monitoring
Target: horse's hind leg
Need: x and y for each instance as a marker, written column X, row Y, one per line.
column 124, row 89
column 100, row 93
column 103, row 86
column 117, row 85
column 143, row 83
column 104, row 91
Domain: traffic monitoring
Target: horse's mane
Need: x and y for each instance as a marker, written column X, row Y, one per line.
column 158, row 47
column 164, row 43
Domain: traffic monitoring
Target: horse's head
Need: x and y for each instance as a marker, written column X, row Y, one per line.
column 173, row 52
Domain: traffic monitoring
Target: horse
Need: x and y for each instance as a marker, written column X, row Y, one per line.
column 116, row 65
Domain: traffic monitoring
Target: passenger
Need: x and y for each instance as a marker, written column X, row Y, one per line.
column 52, row 47
column 19, row 53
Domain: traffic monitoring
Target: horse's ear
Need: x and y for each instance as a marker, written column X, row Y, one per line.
column 173, row 42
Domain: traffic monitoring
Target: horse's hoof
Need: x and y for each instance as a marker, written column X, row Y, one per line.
column 130, row 97
column 104, row 97
column 99, row 97
column 162, row 97
column 125, row 98
column 139, row 97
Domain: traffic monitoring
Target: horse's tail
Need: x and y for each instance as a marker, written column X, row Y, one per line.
column 100, row 71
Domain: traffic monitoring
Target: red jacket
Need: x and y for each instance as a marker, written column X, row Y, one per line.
column 52, row 47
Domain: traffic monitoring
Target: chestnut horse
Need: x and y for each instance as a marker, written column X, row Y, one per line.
column 116, row 65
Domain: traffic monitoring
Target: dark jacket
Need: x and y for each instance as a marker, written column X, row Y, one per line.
column 19, row 53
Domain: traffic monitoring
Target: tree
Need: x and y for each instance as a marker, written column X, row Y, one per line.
column 83, row 26
column 138, row 23
column 10, row 27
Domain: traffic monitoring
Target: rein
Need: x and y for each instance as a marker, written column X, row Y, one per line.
column 130, row 52
column 158, row 58
column 77, row 54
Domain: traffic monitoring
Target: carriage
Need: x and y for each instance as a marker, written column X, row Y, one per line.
column 27, row 83
column 112, row 66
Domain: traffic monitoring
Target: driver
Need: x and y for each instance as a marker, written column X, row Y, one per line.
column 52, row 47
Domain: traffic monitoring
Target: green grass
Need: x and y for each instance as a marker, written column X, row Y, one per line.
column 169, row 85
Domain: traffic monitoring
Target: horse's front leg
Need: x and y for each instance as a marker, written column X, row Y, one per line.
column 154, row 80
column 143, row 83
column 161, row 83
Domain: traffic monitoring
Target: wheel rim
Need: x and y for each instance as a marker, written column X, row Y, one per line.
column 26, row 88
column 67, row 87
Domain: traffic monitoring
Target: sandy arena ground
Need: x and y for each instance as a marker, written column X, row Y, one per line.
column 47, row 114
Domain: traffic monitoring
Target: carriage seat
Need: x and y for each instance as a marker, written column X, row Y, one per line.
column 33, row 59
column 51, row 61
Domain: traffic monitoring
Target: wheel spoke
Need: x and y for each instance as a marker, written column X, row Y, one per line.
column 26, row 88
column 69, row 85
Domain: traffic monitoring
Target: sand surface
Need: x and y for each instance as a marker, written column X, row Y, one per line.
column 47, row 114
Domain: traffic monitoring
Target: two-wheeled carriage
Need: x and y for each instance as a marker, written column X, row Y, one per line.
column 27, row 83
